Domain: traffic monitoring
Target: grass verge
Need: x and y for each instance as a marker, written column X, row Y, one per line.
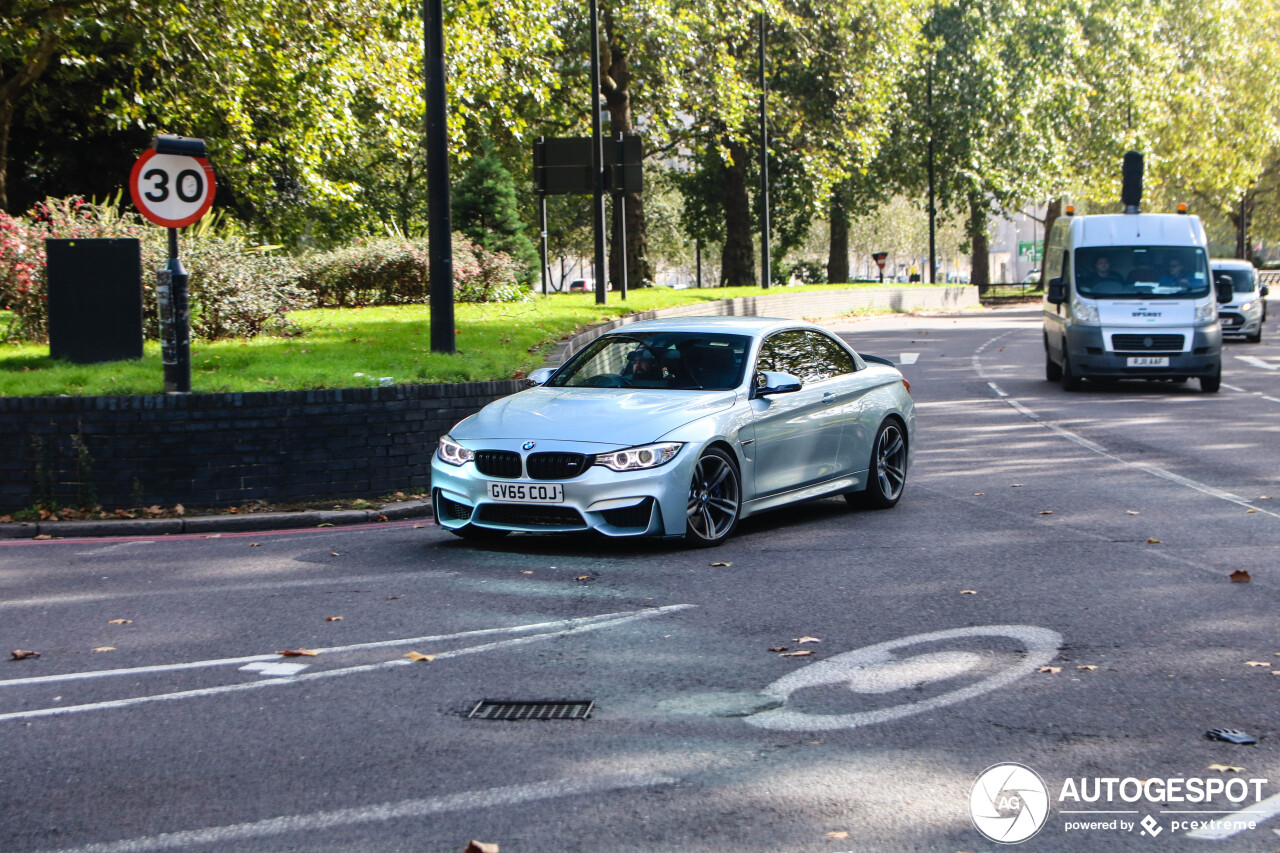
column 354, row 347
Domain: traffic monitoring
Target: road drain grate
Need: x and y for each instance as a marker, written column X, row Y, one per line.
column 492, row 709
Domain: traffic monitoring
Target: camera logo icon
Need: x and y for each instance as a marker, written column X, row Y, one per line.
column 1008, row 803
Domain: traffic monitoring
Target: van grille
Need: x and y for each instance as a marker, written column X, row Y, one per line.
column 1148, row 343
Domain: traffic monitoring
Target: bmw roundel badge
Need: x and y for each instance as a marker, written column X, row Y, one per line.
column 528, row 445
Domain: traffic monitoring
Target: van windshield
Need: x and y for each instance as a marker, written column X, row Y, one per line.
column 1141, row 272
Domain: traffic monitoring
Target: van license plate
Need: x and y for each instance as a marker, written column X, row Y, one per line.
column 527, row 493
column 1148, row 361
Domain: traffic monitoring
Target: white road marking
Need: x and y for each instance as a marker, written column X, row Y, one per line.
column 597, row 623
column 874, row 669
column 1154, row 470
column 307, row 825
column 1232, row 388
column 381, row 644
column 1257, row 362
column 1265, row 810
column 994, row 387
column 909, row 358
column 275, row 669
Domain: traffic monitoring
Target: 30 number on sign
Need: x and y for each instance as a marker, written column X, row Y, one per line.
column 172, row 190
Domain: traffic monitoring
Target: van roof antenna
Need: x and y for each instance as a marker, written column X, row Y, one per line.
column 1131, row 188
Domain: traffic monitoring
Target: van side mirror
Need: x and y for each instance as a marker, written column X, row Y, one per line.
column 1265, row 290
column 1226, row 289
column 1057, row 292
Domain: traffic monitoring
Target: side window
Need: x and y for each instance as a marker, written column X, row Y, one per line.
column 809, row 356
column 1066, row 269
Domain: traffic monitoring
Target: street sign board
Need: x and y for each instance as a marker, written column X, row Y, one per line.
column 172, row 190
column 880, row 258
column 562, row 165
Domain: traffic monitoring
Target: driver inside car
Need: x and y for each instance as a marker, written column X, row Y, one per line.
column 643, row 366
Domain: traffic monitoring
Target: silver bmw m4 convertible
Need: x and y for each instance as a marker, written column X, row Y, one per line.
column 680, row 428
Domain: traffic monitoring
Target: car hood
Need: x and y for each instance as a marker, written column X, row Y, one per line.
column 613, row 417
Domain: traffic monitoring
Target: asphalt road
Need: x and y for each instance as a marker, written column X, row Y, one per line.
column 1091, row 533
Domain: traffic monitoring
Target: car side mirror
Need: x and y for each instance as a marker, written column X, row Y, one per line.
column 1226, row 289
column 539, row 376
column 1057, row 293
column 770, row 382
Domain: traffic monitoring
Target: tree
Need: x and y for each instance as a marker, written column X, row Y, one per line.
column 485, row 210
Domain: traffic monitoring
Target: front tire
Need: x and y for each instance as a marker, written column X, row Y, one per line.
column 1052, row 372
column 887, row 474
column 715, row 500
column 1211, row 384
column 1070, row 380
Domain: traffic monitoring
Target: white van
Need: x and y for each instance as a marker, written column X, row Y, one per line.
column 1247, row 310
column 1131, row 296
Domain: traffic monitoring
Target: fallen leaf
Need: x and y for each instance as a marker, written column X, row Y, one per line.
column 382, row 517
column 806, row 639
column 325, row 524
column 1257, row 663
column 978, row 494
column 392, row 597
column 796, row 654
column 721, row 565
column 1087, row 666
column 119, row 621
column 104, row 649
column 44, row 536
column 481, row 847
column 1249, row 510
column 23, row 654
column 968, row 592
column 1016, row 486
column 840, row 834
column 334, row 554
column 778, row 648
column 295, row 653
column 333, row 618
column 418, row 526
column 1052, row 670
column 526, row 571
column 1131, row 512
column 583, row 578
column 214, row 536
column 254, row 545
column 1225, row 768
column 1046, row 512
column 417, row 656
column 1240, row 576
column 179, row 509
column 1153, row 541
column 1264, row 497
column 5, row 519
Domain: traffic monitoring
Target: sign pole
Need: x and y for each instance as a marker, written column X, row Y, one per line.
column 173, row 185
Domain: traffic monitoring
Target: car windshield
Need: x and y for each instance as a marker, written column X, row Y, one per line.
column 1141, row 272
column 660, row 360
column 1242, row 280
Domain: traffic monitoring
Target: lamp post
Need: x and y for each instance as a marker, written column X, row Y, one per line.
column 765, row 272
column 439, row 217
column 597, row 158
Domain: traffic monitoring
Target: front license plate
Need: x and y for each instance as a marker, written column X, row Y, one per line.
column 1148, row 361
column 527, row 493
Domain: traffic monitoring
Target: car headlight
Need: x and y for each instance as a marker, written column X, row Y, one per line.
column 1207, row 312
column 1248, row 306
column 640, row 458
column 1085, row 313
column 452, row 452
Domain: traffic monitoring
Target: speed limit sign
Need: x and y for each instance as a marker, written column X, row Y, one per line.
column 172, row 190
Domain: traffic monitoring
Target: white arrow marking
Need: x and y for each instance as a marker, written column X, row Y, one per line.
column 1257, row 362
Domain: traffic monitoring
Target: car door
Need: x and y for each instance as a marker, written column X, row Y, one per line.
column 798, row 434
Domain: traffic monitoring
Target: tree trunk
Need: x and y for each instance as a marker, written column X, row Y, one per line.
column 11, row 90
column 981, row 258
column 738, row 260
column 838, row 254
column 616, row 86
column 1052, row 211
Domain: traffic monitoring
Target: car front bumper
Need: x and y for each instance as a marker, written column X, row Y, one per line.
column 1236, row 322
column 650, row 502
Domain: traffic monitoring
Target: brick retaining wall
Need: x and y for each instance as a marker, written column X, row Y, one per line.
column 209, row 450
